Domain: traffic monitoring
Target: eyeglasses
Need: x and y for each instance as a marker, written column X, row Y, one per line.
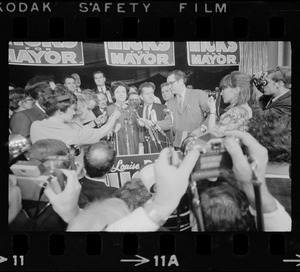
column 171, row 82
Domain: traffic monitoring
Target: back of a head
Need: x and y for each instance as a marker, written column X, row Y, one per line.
column 98, row 215
column 44, row 150
column 273, row 131
column 36, row 84
column 52, row 100
column 243, row 81
column 134, row 193
column 225, row 207
column 98, row 159
column 15, row 96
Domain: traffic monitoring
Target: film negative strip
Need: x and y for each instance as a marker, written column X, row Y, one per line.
column 85, row 36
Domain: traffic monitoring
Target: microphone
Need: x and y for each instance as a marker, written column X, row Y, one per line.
column 157, row 127
column 154, row 123
column 126, row 134
column 151, row 134
column 171, row 115
column 117, row 127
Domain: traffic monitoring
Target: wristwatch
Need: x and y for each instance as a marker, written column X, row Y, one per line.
column 153, row 214
column 203, row 128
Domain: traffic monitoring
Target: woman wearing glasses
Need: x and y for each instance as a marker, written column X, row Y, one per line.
column 19, row 100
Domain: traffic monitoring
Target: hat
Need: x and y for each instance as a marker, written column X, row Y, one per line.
column 147, row 176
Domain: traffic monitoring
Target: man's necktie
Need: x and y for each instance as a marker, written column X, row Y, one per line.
column 147, row 112
column 269, row 103
column 180, row 102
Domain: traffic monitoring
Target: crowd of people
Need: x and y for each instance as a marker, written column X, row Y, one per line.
column 108, row 121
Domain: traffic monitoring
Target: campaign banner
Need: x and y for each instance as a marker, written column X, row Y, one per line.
column 46, row 53
column 125, row 168
column 213, row 53
column 139, row 54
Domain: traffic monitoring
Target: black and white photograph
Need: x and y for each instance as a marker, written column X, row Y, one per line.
column 178, row 150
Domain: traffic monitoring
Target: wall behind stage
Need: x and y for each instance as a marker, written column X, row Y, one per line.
column 94, row 57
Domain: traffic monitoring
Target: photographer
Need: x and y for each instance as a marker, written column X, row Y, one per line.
column 172, row 182
column 276, row 85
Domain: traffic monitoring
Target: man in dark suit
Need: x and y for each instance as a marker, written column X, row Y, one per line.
column 22, row 120
column 98, row 160
column 277, row 92
column 154, row 120
column 99, row 79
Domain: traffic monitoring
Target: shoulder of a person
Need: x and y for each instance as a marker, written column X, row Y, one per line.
column 18, row 114
column 159, row 106
column 111, row 107
column 194, row 91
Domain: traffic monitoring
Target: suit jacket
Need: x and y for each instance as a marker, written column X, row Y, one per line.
column 92, row 190
column 192, row 114
column 97, row 111
column 281, row 106
column 110, row 98
column 164, row 122
column 21, row 121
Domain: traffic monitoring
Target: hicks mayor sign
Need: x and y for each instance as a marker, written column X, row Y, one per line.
column 139, row 54
column 46, row 53
column 213, row 53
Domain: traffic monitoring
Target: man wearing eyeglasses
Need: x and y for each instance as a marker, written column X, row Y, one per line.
column 188, row 107
column 277, row 91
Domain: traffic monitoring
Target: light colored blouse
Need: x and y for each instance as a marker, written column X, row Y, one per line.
column 235, row 118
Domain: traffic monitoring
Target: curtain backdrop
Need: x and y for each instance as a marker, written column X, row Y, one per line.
column 254, row 57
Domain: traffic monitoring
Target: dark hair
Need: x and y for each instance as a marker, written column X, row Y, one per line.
column 283, row 74
column 146, row 85
column 241, row 80
column 36, row 80
column 133, row 87
column 58, row 99
column 99, row 72
column 15, row 96
column 134, row 193
column 116, row 84
column 37, row 89
column 67, row 76
column 225, row 207
column 178, row 75
column 273, row 131
column 98, row 159
column 164, row 84
column 132, row 94
column 42, row 150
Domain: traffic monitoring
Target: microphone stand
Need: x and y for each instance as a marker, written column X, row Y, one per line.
column 116, row 143
column 147, row 138
column 157, row 138
column 171, row 128
column 126, row 136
